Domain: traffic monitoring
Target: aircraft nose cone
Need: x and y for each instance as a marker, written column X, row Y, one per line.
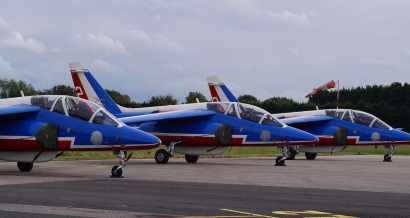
column 400, row 137
column 140, row 138
column 303, row 137
column 146, row 138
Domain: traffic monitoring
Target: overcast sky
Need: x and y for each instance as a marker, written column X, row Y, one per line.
column 263, row 48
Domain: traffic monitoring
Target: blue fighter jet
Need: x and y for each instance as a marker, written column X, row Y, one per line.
column 335, row 128
column 197, row 129
column 40, row 128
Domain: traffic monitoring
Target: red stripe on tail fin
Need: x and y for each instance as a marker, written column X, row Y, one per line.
column 79, row 89
column 214, row 94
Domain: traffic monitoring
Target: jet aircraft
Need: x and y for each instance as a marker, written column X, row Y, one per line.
column 197, row 129
column 335, row 128
column 40, row 128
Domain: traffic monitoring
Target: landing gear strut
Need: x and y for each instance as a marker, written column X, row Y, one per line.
column 293, row 151
column 387, row 157
column 25, row 166
column 280, row 161
column 116, row 171
column 162, row 156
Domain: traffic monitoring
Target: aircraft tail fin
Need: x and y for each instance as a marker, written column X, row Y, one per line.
column 87, row 87
column 219, row 92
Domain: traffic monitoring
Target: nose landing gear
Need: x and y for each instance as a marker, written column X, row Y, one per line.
column 280, row 161
column 116, row 171
column 387, row 157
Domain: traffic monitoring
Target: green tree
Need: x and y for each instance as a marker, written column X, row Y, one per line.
column 58, row 90
column 160, row 100
column 121, row 99
column 249, row 99
column 11, row 88
column 192, row 96
column 279, row 105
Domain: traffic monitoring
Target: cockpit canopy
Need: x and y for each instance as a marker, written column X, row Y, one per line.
column 358, row 117
column 77, row 108
column 245, row 112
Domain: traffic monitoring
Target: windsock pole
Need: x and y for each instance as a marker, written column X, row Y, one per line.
column 337, row 100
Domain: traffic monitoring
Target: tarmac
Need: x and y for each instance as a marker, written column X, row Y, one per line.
column 330, row 186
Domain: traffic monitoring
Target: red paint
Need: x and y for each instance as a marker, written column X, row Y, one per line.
column 63, row 145
column 210, row 141
column 323, row 141
column 214, row 94
column 77, row 83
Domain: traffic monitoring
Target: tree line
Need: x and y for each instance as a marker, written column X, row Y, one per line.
column 390, row 103
column 12, row 88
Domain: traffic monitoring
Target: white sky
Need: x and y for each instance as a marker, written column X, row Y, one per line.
column 263, row 48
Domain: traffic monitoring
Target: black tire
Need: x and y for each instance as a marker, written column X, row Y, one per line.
column 387, row 158
column 117, row 174
column 279, row 162
column 161, row 156
column 25, row 166
column 292, row 154
column 191, row 158
column 310, row 156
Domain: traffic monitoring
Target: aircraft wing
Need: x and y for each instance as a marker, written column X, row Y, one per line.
column 167, row 116
column 305, row 119
column 17, row 109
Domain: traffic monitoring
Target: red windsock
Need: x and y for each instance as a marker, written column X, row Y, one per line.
column 328, row 85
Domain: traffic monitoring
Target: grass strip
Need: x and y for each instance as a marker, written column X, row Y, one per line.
column 234, row 152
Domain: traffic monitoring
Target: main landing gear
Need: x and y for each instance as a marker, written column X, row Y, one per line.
column 387, row 157
column 191, row 158
column 25, row 166
column 162, row 156
column 310, row 156
column 293, row 151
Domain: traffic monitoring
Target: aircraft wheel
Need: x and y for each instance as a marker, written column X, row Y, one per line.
column 117, row 174
column 25, row 166
column 292, row 154
column 161, row 156
column 279, row 162
column 387, row 158
column 191, row 158
column 310, row 156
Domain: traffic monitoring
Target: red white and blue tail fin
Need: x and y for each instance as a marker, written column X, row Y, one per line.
column 87, row 87
column 219, row 91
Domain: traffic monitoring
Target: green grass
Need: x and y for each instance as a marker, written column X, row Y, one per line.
column 234, row 152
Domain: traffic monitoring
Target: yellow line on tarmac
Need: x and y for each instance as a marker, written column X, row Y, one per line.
column 247, row 213
column 296, row 213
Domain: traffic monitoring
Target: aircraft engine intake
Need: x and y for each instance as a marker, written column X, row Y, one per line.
column 47, row 137
column 340, row 136
column 224, row 134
